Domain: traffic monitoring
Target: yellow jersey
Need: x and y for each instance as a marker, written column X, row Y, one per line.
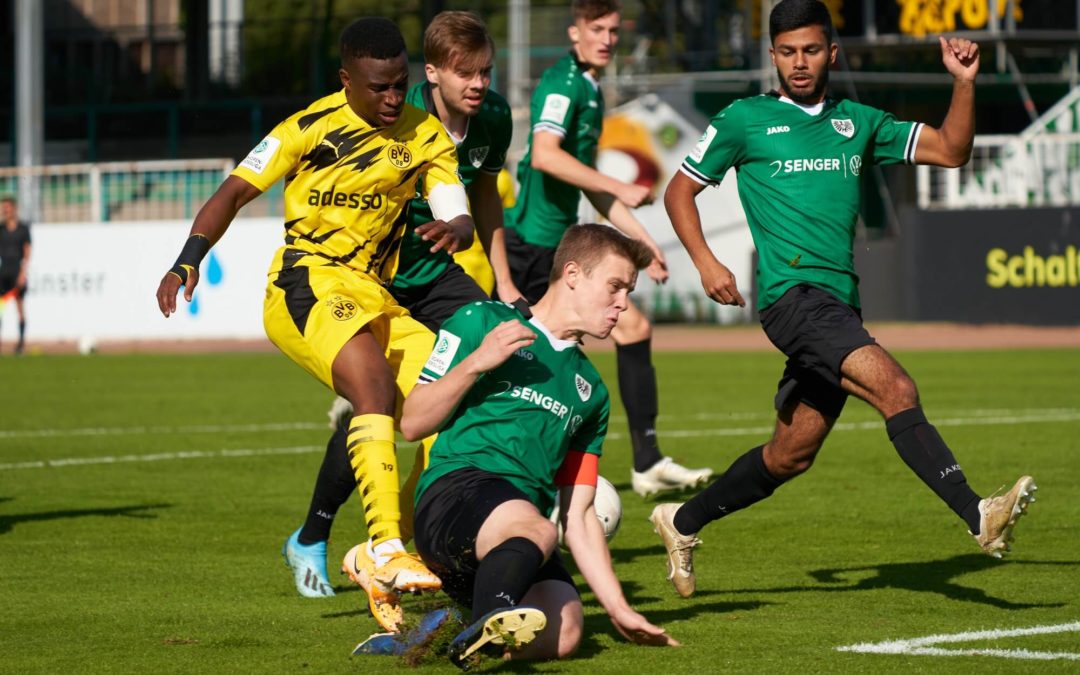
column 347, row 183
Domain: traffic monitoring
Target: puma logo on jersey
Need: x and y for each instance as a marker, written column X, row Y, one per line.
column 782, row 129
column 332, row 147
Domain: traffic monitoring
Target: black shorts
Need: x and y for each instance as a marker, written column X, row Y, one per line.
column 530, row 266
column 816, row 331
column 9, row 282
column 433, row 303
column 448, row 520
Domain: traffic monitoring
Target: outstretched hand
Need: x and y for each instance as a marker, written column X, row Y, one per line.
column 636, row 628
column 961, row 57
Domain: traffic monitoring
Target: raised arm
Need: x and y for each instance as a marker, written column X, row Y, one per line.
column 716, row 279
column 950, row 145
column 210, row 224
column 429, row 405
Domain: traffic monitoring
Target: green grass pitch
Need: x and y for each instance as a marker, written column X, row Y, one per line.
column 108, row 564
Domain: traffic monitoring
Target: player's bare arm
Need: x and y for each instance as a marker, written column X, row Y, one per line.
column 549, row 157
column 584, row 536
column 950, row 145
column 716, row 278
column 624, row 221
column 429, row 406
column 211, row 222
column 488, row 213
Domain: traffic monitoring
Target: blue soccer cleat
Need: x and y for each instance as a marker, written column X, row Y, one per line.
column 308, row 564
column 395, row 644
column 496, row 632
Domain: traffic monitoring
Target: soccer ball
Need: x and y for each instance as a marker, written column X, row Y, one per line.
column 608, row 509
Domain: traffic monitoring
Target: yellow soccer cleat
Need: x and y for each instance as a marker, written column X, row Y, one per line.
column 404, row 573
column 383, row 600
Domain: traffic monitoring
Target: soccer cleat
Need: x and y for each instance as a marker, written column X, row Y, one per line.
column 506, row 628
column 404, row 573
column 998, row 516
column 340, row 412
column 308, row 564
column 680, row 554
column 383, row 600
column 393, row 644
column 667, row 475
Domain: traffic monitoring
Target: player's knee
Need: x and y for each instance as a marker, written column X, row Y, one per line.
column 542, row 532
column 633, row 327
column 904, row 392
column 787, row 460
column 570, row 633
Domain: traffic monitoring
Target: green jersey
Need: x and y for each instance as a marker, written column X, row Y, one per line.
column 519, row 420
column 800, row 172
column 566, row 102
column 482, row 150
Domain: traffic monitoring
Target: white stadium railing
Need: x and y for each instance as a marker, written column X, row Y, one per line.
column 1007, row 172
column 116, row 191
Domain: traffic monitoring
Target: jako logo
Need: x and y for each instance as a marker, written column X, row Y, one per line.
column 782, row 129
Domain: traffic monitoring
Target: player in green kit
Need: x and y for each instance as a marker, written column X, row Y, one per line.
column 458, row 52
column 800, row 158
column 520, row 411
column 559, row 165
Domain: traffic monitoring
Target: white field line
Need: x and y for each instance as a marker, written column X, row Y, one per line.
column 163, row 456
column 1050, row 415
column 923, row 646
column 960, row 418
column 147, row 431
column 1001, row 418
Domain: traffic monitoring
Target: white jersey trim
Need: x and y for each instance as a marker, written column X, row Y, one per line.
column 556, row 344
column 913, row 142
column 550, row 128
column 695, row 176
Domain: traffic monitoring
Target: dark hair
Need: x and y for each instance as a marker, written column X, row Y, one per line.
column 791, row 15
column 458, row 39
column 590, row 10
column 7, row 198
column 371, row 37
column 588, row 244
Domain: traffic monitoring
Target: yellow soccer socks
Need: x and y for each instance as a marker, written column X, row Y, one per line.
column 373, row 456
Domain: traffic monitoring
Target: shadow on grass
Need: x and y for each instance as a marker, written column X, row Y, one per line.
column 8, row 521
column 933, row 576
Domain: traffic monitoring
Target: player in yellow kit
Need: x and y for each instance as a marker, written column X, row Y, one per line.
column 351, row 162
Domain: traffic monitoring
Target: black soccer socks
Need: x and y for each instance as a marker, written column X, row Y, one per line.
column 505, row 575
column 333, row 487
column 924, row 451
column 637, row 386
column 745, row 482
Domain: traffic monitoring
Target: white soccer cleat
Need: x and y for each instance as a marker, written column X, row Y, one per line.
column 340, row 412
column 680, row 549
column 667, row 475
column 998, row 516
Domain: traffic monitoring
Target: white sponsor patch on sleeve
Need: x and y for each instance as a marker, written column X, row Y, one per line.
column 698, row 153
column 446, row 345
column 555, row 108
column 261, row 154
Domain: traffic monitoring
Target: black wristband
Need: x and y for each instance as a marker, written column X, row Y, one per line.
column 195, row 249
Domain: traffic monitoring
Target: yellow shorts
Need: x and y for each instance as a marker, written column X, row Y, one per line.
column 311, row 312
column 475, row 263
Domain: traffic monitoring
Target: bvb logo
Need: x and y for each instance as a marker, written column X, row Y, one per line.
column 399, row 155
column 342, row 309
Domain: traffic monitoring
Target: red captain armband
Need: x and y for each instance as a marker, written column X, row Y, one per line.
column 579, row 468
